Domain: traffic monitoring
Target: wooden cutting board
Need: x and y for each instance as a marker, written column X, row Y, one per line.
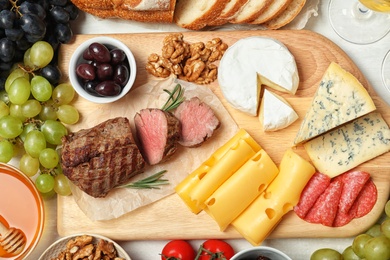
column 169, row 218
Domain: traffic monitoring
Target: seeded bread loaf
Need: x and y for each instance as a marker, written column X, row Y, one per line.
column 273, row 10
column 286, row 16
column 196, row 14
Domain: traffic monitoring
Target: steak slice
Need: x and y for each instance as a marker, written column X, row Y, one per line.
column 198, row 122
column 81, row 146
column 158, row 132
column 107, row 170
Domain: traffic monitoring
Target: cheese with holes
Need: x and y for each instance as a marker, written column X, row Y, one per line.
column 282, row 194
column 221, row 171
column 185, row 187
column 350, row 145
column 236, row 193
column 275, row 112
column 251, row 62
column 340, row 98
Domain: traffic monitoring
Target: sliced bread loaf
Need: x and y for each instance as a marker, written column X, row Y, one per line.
column 273, row 10
column 293, row 9
column 196, row 14
column 231, row 8
column 251, row 10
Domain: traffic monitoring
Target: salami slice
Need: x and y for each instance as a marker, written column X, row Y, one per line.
column 325, row 209
column 312, row 191
column 353, row 183
column 361, row 206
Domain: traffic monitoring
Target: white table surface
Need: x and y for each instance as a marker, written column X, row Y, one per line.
column 367, row 57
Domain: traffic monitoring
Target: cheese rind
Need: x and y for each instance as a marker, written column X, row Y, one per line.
column 251, row 62
column 282, row 194
column 236, row 193
column 350, row 145
column 275, row 112
column 340, row 98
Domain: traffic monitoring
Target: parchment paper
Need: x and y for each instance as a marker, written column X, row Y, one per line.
column 122, row 200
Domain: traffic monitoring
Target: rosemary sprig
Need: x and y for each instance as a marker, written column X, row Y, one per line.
column 151, row 182
column 175, row 98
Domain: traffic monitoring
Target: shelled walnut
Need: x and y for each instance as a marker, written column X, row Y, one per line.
column 191, row 62
column 83, row 247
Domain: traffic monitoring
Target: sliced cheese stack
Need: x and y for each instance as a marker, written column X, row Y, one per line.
column 254, row 193
column 350, row 145
column 282, row 194
column 251, row 62
column 340, row 98
column 236, row 193
column 275, row 112
column 184, row 188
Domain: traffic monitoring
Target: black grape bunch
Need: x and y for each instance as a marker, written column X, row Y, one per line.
column 24, row 22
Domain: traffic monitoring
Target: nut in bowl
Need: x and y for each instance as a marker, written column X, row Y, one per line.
column 102, row 69
column 85, row 246
column 260, row 253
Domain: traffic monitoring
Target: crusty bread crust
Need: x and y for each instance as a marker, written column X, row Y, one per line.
column 250, row 11
column 228, row 12
column 293, row 9
column 272, row 11
column 198, row 22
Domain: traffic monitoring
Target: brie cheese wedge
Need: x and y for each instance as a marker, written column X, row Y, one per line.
column 275, row 112
column 251, row 62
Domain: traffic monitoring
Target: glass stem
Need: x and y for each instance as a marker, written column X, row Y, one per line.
column 360, row 11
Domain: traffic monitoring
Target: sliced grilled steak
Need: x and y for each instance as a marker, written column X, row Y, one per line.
column 158, row 132
column 102, row 157
column 107, row 170
column 85, row 144
column 198, row 122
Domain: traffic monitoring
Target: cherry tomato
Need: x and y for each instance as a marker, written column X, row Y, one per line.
column 178, row 250
column 214, row 249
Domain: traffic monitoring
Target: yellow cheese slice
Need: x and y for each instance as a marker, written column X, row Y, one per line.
column 350, row 145
column 234, row 158
column 262, row 215
column 340, row 98
column 235, row 194
column 185, row 187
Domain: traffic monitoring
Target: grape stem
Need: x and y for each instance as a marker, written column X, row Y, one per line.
column 15, row 7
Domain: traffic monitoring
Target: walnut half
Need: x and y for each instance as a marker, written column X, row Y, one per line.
column 190, row 62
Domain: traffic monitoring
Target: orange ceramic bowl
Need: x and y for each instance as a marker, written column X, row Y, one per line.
column 21, row 207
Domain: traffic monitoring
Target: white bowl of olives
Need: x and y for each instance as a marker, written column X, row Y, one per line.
column 102, row 69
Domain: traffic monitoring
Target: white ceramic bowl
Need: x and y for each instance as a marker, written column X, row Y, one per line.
column 77, row 58
column 57, row 247
column 254, row 252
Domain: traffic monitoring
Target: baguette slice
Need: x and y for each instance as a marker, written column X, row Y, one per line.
column 287, row 16
column 139, row 16
column 273, row 10
column 230, row 10
column 250, row 11
column 196, row 14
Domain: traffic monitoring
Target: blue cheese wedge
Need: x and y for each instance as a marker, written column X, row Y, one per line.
column 275, row 112
column 340, row 98
column 252, row 62
column 350, row 145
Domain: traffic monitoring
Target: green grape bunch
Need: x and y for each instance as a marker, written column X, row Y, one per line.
column 34, row 114
column 374, row 244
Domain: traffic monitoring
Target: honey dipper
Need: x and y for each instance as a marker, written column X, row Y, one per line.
column 12, row 240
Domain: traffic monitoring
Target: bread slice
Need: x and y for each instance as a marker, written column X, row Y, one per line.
column 250, row 11
column 273, row 10
column 140, row 16
column 196, row 14
column 287, row 16
column 231, row 8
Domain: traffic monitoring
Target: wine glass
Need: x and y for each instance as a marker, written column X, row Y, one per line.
column 360, row 21
column 386, row 71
